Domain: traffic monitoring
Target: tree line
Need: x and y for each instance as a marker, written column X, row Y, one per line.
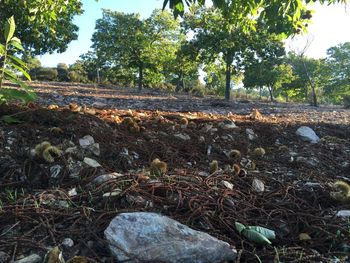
column 231, row 44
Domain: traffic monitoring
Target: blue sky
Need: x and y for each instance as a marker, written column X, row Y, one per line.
column 330, row 26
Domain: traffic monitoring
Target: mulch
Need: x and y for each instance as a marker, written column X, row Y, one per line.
column 37, row 212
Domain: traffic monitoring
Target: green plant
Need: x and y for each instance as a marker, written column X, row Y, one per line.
column 10, row 65
column 48, row 74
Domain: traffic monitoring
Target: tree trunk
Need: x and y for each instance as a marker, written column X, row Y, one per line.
column 260, row 93
column 228, row 81
column 312, row 84
column 271, row 93
column 140, row 76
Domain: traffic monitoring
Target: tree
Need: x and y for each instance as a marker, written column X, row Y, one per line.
column 216, row 39
column 77, row 72
column 43, row 26
column 338, row 61
column 183, row 68
column 31, row 62
column 280, row 16
column 311, row 76
column 263, row 63
column 62, row 72
column 124, row 41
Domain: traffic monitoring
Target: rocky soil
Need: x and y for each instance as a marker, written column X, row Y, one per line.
column 97, row 163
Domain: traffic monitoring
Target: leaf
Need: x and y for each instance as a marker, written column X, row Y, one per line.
column 21, row 70
column 9, row 119
column 9, row 29
column 2, row 49
column 17, row 44
column 268, row 233
column 304, row 237
column 11, row 94
column 19, row 61
column 239, row 227
column 256, row 237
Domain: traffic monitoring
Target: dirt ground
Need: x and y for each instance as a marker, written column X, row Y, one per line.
column 44, row 201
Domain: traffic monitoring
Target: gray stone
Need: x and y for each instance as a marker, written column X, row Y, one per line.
column 343, row 213
column 251, row 135
column 55, row 171
column 91, row 162
column 95, row 149
column 183, row 137
column 30, row 259
column 116, row 192
column 228, row 125
column 307, row 134
column 105, row 178
column 228, row 185
column 150, row 237
column 72, row 192
column 67, row 242
column 86, row 141
column 258, row 185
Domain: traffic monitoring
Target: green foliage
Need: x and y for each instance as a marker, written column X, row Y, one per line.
column 44, row 74
column 307, row 72
column 62, row 72
column 282, row 16
column 338, row 62
column 127, row 43
column 77, row 72
column 12, row 66
column 43, row 26
column 216, row 40
column 30, row 61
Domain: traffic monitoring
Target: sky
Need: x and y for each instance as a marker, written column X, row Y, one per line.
column 330, row 26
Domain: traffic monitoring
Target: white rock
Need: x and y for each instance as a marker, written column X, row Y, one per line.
column 183, row 137
column 91, row 162
column 86, row 141
column 227, row 185
column 98, row 104
column 258, row 185
column 343, row 213
column 34, row 258
column 251, row 135
column 307, row 134
column 105, row 178
column 228, row 125
column 72, row 192
column 68, row 242
column 150, row 237
column 116, row 192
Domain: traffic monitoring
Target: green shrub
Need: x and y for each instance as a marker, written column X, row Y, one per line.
column 75, row 76
column 62, row 72
column 48, row 74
